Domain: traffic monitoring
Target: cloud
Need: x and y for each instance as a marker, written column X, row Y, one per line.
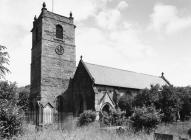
column 130, row 45
column 82, row 10
column 111, row 19
column 165, row 18
column 122, row 5
column 98, row 46
column 108, row 19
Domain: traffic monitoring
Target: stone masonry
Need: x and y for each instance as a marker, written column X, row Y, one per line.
column 50, row 72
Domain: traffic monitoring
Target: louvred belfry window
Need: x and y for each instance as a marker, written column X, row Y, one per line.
column 59, row 32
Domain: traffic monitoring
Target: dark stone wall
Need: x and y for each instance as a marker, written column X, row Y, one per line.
column 36, row 58
column 83, row 93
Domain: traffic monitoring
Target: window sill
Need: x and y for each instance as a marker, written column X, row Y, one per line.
column 58, row 39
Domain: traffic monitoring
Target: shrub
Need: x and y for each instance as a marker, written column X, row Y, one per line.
column 147, row 97
column 86, row 117
column 145, row 118
column 11, row 119
column 23, row 100
column 164, row 98
column 11, row 116
column 115, row 118
column 184, row 94
column 170, row 103
column 8, row 91
column 125, row 104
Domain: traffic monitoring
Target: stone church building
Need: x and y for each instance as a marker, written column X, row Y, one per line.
column 59, row 88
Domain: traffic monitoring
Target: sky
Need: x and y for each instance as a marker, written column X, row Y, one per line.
column 146, row 36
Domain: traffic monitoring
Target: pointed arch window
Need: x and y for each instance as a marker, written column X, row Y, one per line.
column 59, row 32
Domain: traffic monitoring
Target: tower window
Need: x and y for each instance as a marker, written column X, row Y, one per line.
column 59, row 32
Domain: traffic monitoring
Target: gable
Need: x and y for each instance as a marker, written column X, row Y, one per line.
column 105, row 99
column 82, row 73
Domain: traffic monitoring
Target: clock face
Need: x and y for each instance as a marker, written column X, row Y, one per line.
column 59, row 50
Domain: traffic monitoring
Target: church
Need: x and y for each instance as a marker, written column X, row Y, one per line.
column 59, row 87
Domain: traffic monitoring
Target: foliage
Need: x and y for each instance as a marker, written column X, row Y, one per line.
column 147, row 97
column 145, row 118
column 11, row 119
column 86, row 117
column 125, row 104
column 4, row 60
column 114, row 118
column 23, row 100
column 184, row 93
column 166, row 99
column 7, row 91
column 11, row 115
column 170, row 103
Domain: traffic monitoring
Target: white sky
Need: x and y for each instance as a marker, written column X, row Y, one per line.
column 147, row 36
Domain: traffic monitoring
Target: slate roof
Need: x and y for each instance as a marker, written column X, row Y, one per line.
column 104, row 75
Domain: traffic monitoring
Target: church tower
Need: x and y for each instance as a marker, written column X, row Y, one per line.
column 53, row 60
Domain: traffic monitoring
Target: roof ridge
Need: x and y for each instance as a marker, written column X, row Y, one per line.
column 122, row 69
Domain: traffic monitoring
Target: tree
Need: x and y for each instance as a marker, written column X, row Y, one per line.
column 23, row 100
column 148, row 97
column 169, row 103
column 8, row 91
column 4, row 60
column 164, row 98
column 11, row 116
column 125, row 103
column 184, row 93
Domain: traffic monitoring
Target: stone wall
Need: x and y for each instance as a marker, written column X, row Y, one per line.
column 115, row 93
column 56, row 70
column 83, row 94
column 50, row 72
column 36, row 58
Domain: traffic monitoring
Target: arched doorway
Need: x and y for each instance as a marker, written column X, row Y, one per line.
column 106, row 109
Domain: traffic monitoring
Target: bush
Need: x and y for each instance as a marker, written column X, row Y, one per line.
column 11, row 116
column 11, row 119
column 145, row 118
column 164, row 98
column 147, row 97
column 8, row 91
column 115, row 118
column 86, row 117
column 23, row 100
column 184, row 94
column 170, row 103
column 125, row 104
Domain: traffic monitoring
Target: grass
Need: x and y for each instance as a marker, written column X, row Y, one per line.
column 176, row 128
column 93, row 132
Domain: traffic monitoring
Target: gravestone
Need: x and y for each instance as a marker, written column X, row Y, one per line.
column 158, row 136
column 182, row 138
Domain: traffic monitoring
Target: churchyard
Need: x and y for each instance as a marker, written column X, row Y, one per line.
column 141, row 123
column 93, row 132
